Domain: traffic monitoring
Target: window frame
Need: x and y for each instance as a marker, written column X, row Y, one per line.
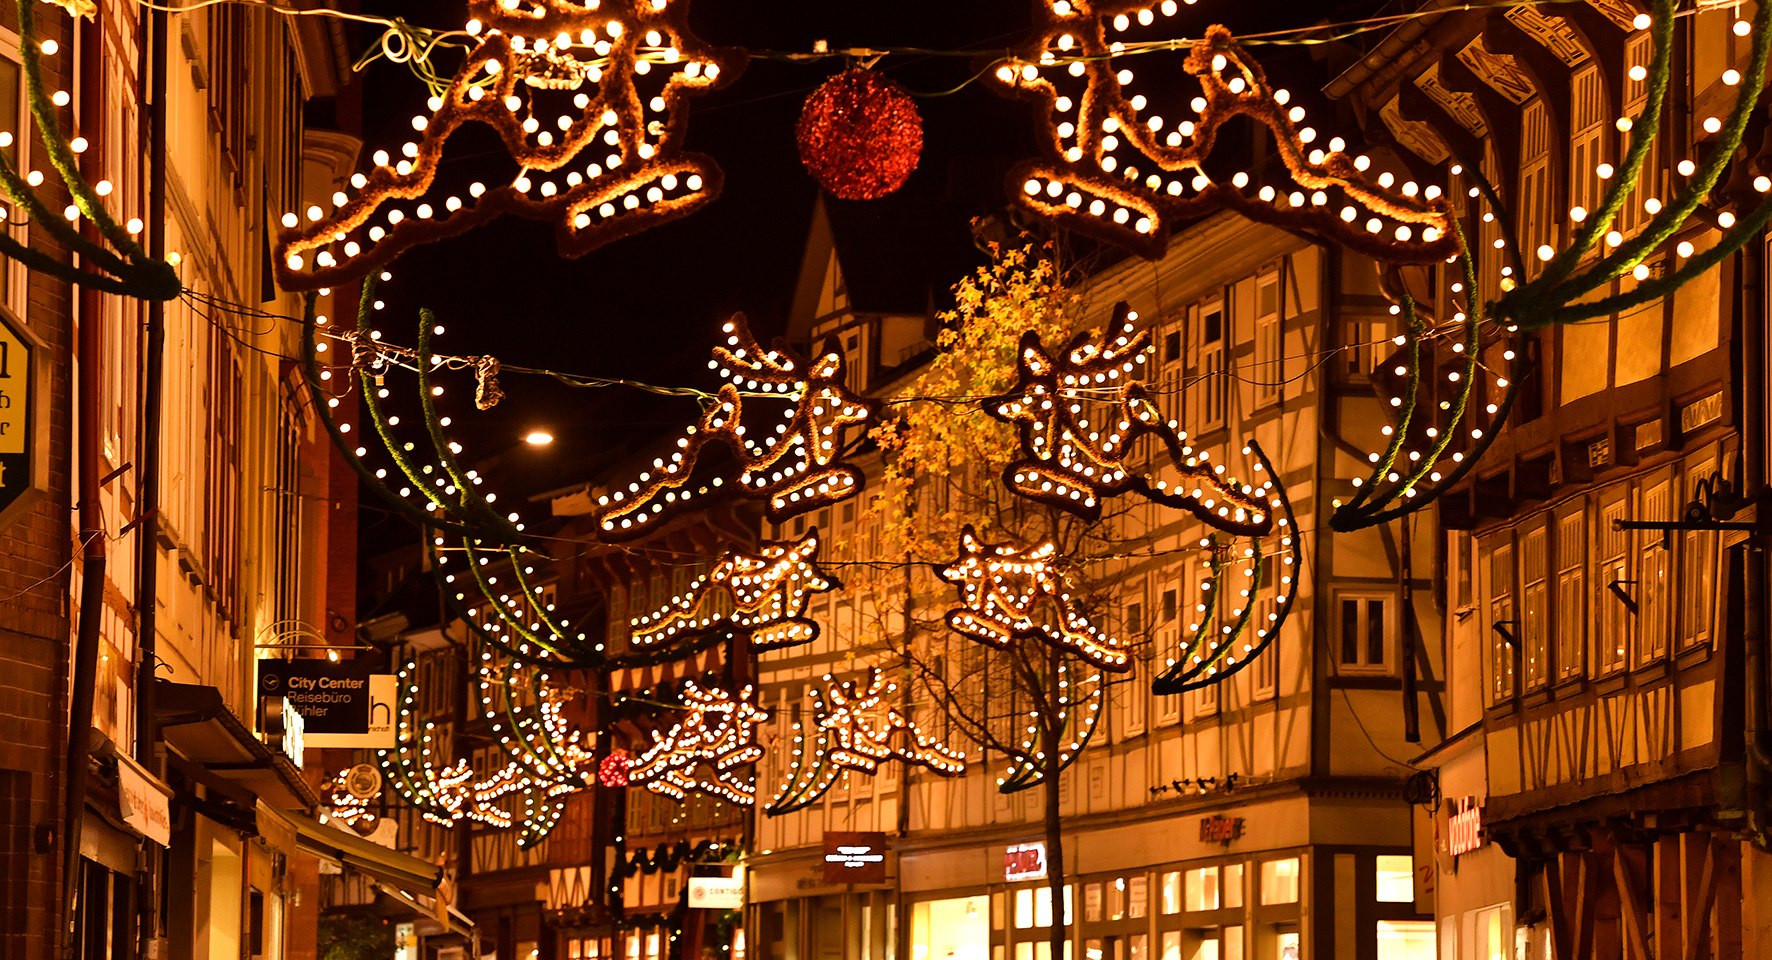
column 1363, row 666
column 1502, row 609
column 1213, row 379
column 1571, row 618
column 1268, row 360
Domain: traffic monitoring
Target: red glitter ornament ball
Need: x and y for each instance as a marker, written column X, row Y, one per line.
column 613, row 771
column 860, row 135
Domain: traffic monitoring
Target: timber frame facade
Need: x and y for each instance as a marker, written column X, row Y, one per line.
column 1602, row 673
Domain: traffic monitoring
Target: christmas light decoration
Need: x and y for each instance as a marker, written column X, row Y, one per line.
column 612, row 772
column 1009, row 592
column 110, row 258
column 764, row 595
column 1127, row 162
column 1077, row 711
column 709, row 751
column 860, row 135
column 1418, row 463
column 589, row 100
column 348, row 808
column 1218, row 645
column 794, row 467
column 1078, row 415
column 449, row 793
column 855, row 728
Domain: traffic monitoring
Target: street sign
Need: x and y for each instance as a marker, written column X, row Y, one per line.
column 384, row 688
column 332, row 697
column 717, row 893
column 854, row 857
column 24, row 464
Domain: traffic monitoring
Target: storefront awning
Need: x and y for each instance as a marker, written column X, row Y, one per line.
column 197, row 724
column 379, row 863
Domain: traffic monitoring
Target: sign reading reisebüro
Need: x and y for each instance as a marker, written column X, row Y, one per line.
column 332, row 697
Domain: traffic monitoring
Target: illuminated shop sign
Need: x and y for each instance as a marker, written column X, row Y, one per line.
column 1464, row 826
column 1217, row 829
column 1025, row 861
column 854, row 857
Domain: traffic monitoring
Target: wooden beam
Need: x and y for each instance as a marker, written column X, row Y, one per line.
column 1552, row 884
column 1633, row 916
column 1701, row 893
column 1725, row 913
column 1587, row 895
column 1665, row 876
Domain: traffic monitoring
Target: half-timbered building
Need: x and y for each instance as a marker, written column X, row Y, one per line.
column 1594, row 797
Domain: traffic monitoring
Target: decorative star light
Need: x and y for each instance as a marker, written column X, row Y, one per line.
column 1219, row 643
column 764, row 594
column 1127, row 161
column 1080, row 412
column 589, row 100
column 708, row 751
column 793, row 467
column 1011, row 592
column 855, row 728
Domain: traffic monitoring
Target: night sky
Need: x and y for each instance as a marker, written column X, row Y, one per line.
column 648, row 307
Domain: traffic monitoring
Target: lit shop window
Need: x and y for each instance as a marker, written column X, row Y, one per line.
column 1170, row 884
column 1396, row 878
column 1202, row 889
column 1279, row 881
column 1405, row 939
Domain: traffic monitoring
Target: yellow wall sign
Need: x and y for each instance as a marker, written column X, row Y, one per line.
column 22, row 391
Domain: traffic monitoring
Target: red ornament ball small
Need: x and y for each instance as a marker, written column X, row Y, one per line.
column 860, row 135
column 613, row 771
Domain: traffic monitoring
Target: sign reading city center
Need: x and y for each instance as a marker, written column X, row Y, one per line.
column 341, row 704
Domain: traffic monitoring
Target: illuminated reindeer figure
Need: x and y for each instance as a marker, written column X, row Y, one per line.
column 588, row 99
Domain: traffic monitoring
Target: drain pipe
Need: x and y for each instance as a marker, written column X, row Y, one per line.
column 91, row 522
column 147, row 586
column 1753, row 292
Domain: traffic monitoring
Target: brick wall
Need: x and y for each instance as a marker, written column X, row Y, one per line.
column 36, row 570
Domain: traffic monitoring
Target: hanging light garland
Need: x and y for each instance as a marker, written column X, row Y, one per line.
column 709, row 751
column 1219, row 644
column 590, row 102
column 1010, row 592
column 860, row 135
column 793, row 468
column 855, row 728
column 1118, row 169
column 763, row 594
column 1074, row 462
column 113, row 261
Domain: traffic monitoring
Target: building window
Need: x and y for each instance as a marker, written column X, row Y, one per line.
column 1612, row 645
column 1366, row 628
column 1503, row 627
column 1212, row 374
column 1202, row 889
column 1587, row 118
column 1652, row 586
column 1267, row 664
column 1396, row 878
column 1406, row 940
column 1269, row 369
column 1231, row 886
column 12, row 120
column 1571, row 595
column 1698, row 582
column 1279, row 881
column 1638, row 51
column 1534, row 619
column 1536, row 223
column 1363, row 347
column 1170, row 891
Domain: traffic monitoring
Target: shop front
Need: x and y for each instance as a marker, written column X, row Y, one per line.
column 1286, row 878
